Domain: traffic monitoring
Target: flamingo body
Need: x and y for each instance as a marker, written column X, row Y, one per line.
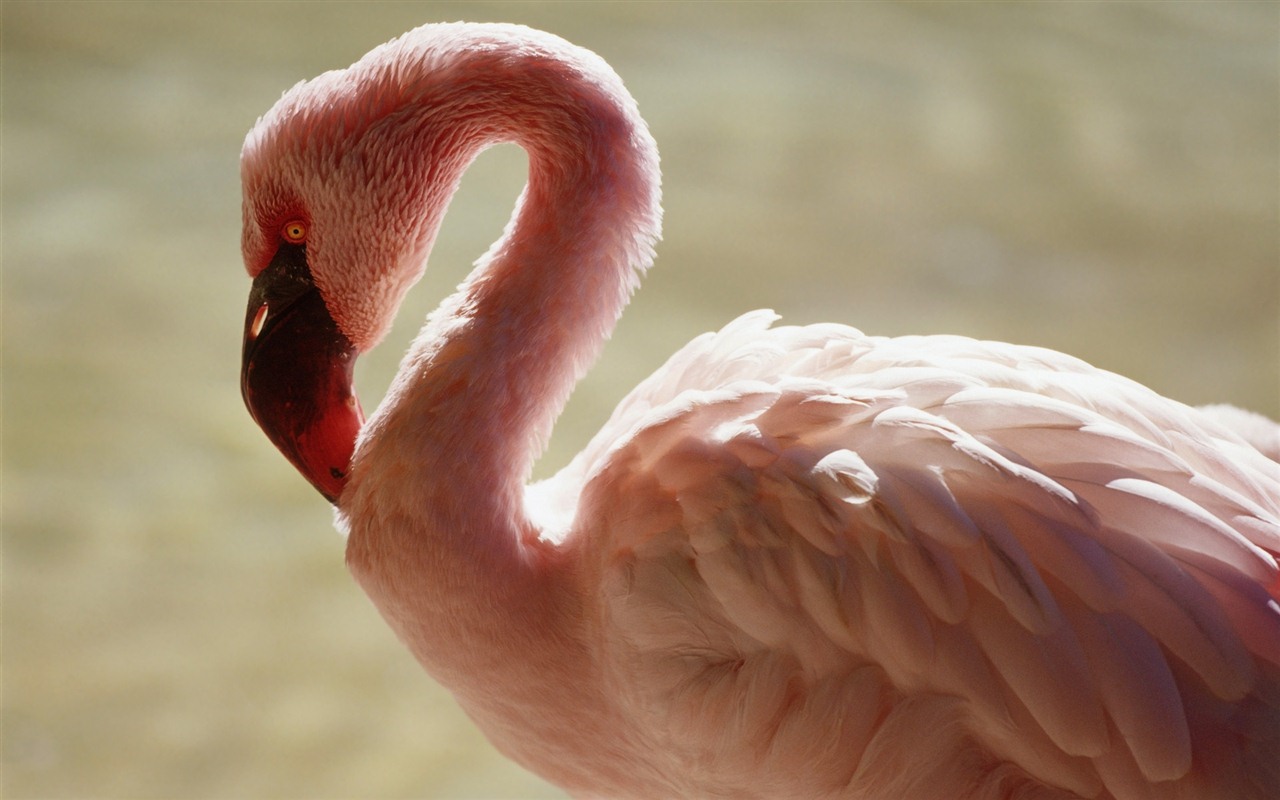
column 797, row 561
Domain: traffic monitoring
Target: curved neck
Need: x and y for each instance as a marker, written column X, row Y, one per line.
column 439, row 535
column 486, row 378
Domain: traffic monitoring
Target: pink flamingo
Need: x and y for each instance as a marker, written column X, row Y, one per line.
column 797, row 561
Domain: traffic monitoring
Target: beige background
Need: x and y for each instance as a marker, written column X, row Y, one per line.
column 1097, row 178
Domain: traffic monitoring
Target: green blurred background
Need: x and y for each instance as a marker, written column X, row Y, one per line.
column 1096, row 178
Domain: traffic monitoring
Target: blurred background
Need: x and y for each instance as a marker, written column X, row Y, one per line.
column 178, row 623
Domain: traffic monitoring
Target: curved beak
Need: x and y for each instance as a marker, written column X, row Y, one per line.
column 296, row 373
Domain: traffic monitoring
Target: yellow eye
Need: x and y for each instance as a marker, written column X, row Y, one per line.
column 294, row 231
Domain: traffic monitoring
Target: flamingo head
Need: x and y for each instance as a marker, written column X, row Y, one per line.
column 331, row 253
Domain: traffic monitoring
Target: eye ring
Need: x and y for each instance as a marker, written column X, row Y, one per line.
column 294, row 231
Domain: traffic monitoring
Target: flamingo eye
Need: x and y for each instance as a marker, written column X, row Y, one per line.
column 294, row 231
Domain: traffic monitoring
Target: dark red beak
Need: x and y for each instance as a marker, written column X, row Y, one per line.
column 296, row 373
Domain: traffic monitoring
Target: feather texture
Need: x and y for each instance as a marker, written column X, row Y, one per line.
column 947, row 519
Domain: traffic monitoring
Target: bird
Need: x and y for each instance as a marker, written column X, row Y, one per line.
column 796, row 561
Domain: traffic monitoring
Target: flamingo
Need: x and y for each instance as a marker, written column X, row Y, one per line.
column 797, row 561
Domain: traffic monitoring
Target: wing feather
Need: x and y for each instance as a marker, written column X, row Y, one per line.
column 1129, row 670
column 935, row 576
column 838, row 532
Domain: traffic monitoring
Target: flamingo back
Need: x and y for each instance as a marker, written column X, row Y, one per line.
column 965, row 568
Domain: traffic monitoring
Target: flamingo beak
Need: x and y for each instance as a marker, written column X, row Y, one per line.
column 295, row 375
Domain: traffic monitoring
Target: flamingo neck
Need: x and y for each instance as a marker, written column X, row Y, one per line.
column 439, row 536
